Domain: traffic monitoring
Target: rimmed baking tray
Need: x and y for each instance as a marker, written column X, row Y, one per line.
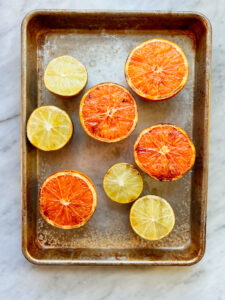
column 102, row 41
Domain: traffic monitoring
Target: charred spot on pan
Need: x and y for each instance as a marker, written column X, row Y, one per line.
column 137, row 172
column 154, row 191
column 124, row 100
column 116, row 151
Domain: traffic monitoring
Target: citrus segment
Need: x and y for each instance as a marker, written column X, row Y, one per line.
column 67, row 199
column 152, row 217
column 157, row 69
column 123, row 183
column 108, row 112
column 164, row 151
column 49, row 128
column 65, row 76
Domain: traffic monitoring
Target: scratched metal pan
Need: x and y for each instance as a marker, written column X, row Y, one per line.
column 101, row 40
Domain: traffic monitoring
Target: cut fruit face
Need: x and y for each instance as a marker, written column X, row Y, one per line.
column 49, row 128
column 65, row 76
column 152, row 217
column 123, row 183
column 67, row 199
column 164, row 151
column 108, row 112
column 156, row 69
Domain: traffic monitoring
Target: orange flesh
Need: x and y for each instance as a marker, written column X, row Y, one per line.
column 165, row 152
column 66, row 200
column 108, row 112
column 156, row 69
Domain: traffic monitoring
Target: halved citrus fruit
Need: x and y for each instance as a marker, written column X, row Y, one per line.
column 67, row 199
column 164, row 151
column 152, row 217
column 156, row 69
column 123, row 183
column 49, row 128
column 65, row 76
column 108, row 112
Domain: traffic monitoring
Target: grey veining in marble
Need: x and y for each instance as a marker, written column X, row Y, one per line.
column 18, row 278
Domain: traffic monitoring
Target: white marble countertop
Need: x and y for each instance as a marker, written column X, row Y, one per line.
column 22, row 280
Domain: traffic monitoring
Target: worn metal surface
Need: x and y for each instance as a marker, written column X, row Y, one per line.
column 102, row 41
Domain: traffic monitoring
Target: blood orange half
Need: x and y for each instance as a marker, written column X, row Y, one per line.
column 156, row 69
column 67, row 199
column 164, row 151
column 108, row 112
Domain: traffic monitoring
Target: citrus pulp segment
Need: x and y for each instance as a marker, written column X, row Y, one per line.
column 152, row 217
column 108, row 112
column 67, row 199
column 156, row 69
column 49, row 128
column 164, row 151
column 65, row 76
column 123, row 183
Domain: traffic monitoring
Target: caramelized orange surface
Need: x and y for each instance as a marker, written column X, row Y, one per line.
column 165, row 152
column 157, row 69
column 108, row 112
column 67, row 199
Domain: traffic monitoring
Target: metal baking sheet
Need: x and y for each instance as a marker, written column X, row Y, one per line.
column 102, row 42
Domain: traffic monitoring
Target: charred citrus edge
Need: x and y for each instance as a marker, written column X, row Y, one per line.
column 62, row 95
column 105, row 139
column 157, row 98
column 103, row 182
column 164, row 200
column 55, row 107
column 90, row 185
column 179, row 129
